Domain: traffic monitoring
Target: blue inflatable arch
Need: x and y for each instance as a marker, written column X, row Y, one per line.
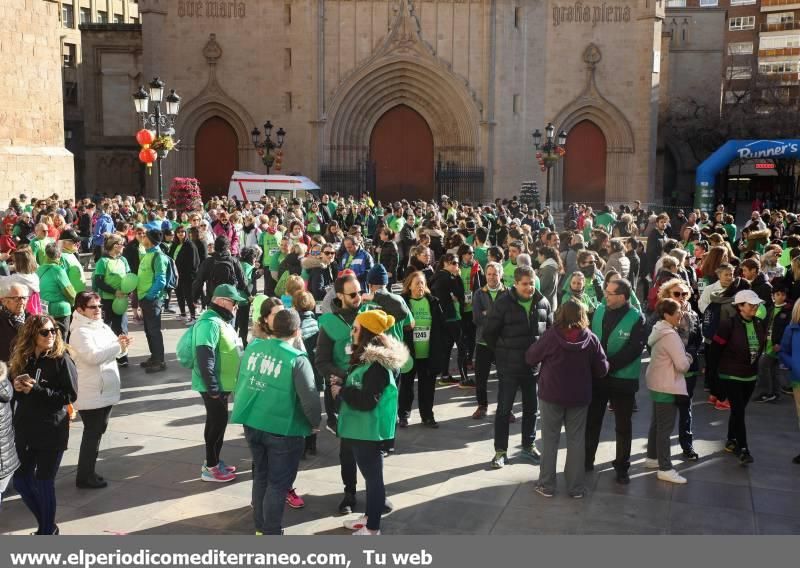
column 743, row 149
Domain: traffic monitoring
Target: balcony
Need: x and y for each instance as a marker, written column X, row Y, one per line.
column 791, row 51
column 783, row 79
column 776, row 5
column 780, row 27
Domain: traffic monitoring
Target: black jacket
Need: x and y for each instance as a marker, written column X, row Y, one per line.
column 444, row 286
column 655, row 245
column 8, row 333
column 387, row 254
column 730, row 351
column 415, row 265
column 206, row 270
column 761, row 286
column 131, row 254
column 509, row 331
column 9, row 461
column 187, row 261
column 437, row 335
column 40, row 417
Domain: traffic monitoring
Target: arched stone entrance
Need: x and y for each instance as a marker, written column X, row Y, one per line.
column 585, row 165
column 401, row 146
column 216, row 156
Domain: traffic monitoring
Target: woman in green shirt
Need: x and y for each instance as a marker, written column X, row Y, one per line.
column 109, row 271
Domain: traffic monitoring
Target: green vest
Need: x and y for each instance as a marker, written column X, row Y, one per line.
column 421, row 310
column 271, row 245
column 74, row 269
column 265, row 395
column 373, row 425
column 619, row 337
column 213, row 331
column 339, row 332
column 147, row 272
column 112, row 271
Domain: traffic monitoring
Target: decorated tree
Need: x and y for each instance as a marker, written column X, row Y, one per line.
column 184, row 194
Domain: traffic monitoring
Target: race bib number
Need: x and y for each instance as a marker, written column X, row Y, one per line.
column 273, row 252
column 468, row 297
column 318, row 308
column 422, row 335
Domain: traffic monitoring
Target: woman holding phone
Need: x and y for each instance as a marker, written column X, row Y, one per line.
column 45, row 381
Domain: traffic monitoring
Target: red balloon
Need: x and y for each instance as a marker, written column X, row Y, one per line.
column 148, row 156
column 543, row 168
column 145, row 137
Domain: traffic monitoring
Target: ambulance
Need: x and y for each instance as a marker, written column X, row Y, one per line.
column 249, row 186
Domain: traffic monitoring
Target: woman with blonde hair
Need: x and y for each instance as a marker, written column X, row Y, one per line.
column 45, row 381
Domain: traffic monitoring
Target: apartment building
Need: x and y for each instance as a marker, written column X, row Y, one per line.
column 779, row 48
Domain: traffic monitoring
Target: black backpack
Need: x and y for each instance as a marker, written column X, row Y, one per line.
column 222, row 273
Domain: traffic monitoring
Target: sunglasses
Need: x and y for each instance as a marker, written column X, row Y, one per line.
column 93, row 307
column 680, row 294
column 351, row 295
column 328, row 252
column 46, row 332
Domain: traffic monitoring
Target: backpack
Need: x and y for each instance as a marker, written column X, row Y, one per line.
column 222, row 273
column 171, row 275
column 185, row 349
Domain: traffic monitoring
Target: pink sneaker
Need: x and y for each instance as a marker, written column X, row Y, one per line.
column 722, row 405
column 225, row 467
column 214, row 474
column 294, row 500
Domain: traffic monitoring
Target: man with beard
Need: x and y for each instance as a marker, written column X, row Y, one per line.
column 12, row 316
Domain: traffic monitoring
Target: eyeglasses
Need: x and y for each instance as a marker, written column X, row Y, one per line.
column 93, row 307
column 17, row 298
column 328, row 252
column 46, row 332
column 680, row 294
column 351, row 295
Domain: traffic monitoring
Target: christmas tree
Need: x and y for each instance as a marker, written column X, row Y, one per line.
column 529, row 194
column 184, row 194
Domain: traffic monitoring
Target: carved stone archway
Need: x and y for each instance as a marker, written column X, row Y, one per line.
column 403, row 71
column 591, row 105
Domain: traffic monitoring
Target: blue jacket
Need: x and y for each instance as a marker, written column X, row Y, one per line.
column 361, row 264
column 105, row 224
column 790, row 350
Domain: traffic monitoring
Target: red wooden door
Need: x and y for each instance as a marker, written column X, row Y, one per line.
column 585, row 165
column 216, row 156
column 401, row 145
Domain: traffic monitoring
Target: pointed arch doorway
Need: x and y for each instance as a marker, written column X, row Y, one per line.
column 401, row 146
column 585, row 165
column 216, row 156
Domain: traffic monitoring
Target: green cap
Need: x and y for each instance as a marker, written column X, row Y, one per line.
column 228, row 291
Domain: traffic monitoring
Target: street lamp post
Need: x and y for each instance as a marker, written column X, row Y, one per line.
column 166, row 121
column 551, row 152
column 266, row 147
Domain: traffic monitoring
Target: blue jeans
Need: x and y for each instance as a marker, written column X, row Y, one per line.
column 151, row 312
column 370, row 462
column 275, row 463
column 506, row 393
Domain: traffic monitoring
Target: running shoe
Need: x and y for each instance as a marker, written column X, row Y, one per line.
column 356, row 524
column 745, row 458
column 294, row 500
column 364, row 531
column 722, row 405
column 672, row 476
column 223, row 467
column 766, row 397
column 650, row 463
column 215, row 475
column 787, row 390
column 731, row 447
column 499, row 460
column 544, row 491
column 530, row 454
column 712, row 399
column 479, row 413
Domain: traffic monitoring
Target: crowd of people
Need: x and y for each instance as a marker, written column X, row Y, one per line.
column 354, row 302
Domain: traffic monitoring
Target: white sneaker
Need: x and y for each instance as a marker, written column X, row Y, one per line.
column 672, row 476
column 190, row 322
column 356, row 524
column 364, row 531
column 650, row 463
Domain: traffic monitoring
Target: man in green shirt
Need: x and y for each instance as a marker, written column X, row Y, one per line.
column 39, row 242
column 69, row 259
column 278, row 404
column 152, row 281
column 510, row 265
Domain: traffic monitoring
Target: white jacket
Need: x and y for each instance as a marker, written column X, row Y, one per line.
column 668, row 360
column 95, row 350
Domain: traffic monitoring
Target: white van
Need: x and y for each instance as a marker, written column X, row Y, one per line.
column 249, row 186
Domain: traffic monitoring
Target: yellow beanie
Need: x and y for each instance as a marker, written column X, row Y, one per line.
column 377, row 321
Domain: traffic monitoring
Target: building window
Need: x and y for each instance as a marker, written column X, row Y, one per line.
column 779, row 42
column 676, row 3
column 134, row 20
column 287, row 14
column 119, row 19
column 102, row 17
column 740, row 48
column 780, row 18
column 742, row 2
column 516, row 104
column 776, row 67
column 67, row 16
column 70, row 93
column 737, row 72
column 732, row 97
column 517, row 17
column 287, row 101
column 69, row 53
column 708, row 3
column 741, row 23
column 287, row 58
column 86, row 16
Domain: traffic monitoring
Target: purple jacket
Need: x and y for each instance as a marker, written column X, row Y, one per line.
column 568, row 368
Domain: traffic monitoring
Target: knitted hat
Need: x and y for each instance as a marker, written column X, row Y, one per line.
column 377, row 321
column 155, row 236
column 378, row 276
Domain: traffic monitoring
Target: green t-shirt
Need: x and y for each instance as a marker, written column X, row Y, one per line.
column 482, row 256
column 526, row 305
column 466, row 272
column 421, row 310
column 508, row 273
column 56, row 289
column 662, row 397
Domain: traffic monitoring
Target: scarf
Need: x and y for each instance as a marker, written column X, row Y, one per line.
column 16, row 320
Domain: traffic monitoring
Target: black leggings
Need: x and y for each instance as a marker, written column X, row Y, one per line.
column 216, row 423
column 738, row 393
column 183, row 293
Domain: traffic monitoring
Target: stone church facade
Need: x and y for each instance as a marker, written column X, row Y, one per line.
column 402, row 94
